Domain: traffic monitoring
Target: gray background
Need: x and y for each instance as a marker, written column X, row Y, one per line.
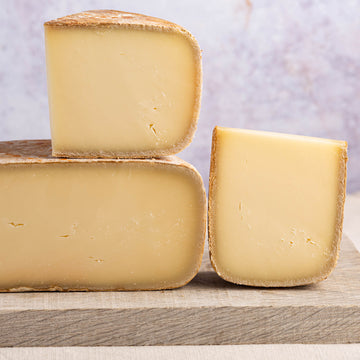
column 282, row 65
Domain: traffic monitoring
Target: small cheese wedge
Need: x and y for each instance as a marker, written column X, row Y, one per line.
column 275, row 207
column 121, row 85
column 79, row 224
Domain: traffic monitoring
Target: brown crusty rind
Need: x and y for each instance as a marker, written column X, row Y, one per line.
column 95, row 18
column 114, row 18
column 28, row 152
column 334, row 254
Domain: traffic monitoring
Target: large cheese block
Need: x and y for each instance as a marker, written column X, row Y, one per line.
column 79, row 224
column 121, row 85
column 275, row 207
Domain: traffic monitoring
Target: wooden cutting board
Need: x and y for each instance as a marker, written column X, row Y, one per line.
column 206, row 311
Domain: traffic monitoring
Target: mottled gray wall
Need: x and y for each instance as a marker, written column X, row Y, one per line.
column 282, row 65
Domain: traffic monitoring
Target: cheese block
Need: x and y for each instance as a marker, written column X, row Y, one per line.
column 276, row 206
column 99, row 224
column 121, row 85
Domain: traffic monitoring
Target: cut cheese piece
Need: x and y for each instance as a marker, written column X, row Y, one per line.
column 121, row 85
column 275, row 207
column 77, row 224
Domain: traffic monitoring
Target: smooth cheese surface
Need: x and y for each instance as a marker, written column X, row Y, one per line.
column 276, row 206
column 100, row 225
column 122, row 90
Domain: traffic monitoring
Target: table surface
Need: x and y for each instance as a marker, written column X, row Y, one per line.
column 339, row 351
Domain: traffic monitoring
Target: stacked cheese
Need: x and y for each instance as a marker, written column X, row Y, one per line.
column 112, row 212
column 122, row 88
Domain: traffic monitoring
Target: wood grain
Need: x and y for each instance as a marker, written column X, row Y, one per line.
column 207, row 311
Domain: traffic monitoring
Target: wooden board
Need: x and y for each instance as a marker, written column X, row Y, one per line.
column 207, row 311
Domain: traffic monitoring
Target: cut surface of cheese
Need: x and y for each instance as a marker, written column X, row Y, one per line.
column 121, row 85
column 275, row 207
column 99, row 224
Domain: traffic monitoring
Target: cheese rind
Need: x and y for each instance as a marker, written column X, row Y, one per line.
column 79, row 224
column 121, row 85
column 275, row 207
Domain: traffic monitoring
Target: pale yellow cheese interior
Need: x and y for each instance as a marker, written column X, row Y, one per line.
column 277, row 203
column 100, row 225
column 115, row 91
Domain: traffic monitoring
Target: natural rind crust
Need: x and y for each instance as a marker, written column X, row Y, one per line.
column 334, row 254
column 25, row 152
column 95, row 18
column 114, row 18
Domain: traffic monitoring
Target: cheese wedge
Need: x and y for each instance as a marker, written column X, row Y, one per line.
column 275, row 207
column 79, row 224
column 121, row 85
